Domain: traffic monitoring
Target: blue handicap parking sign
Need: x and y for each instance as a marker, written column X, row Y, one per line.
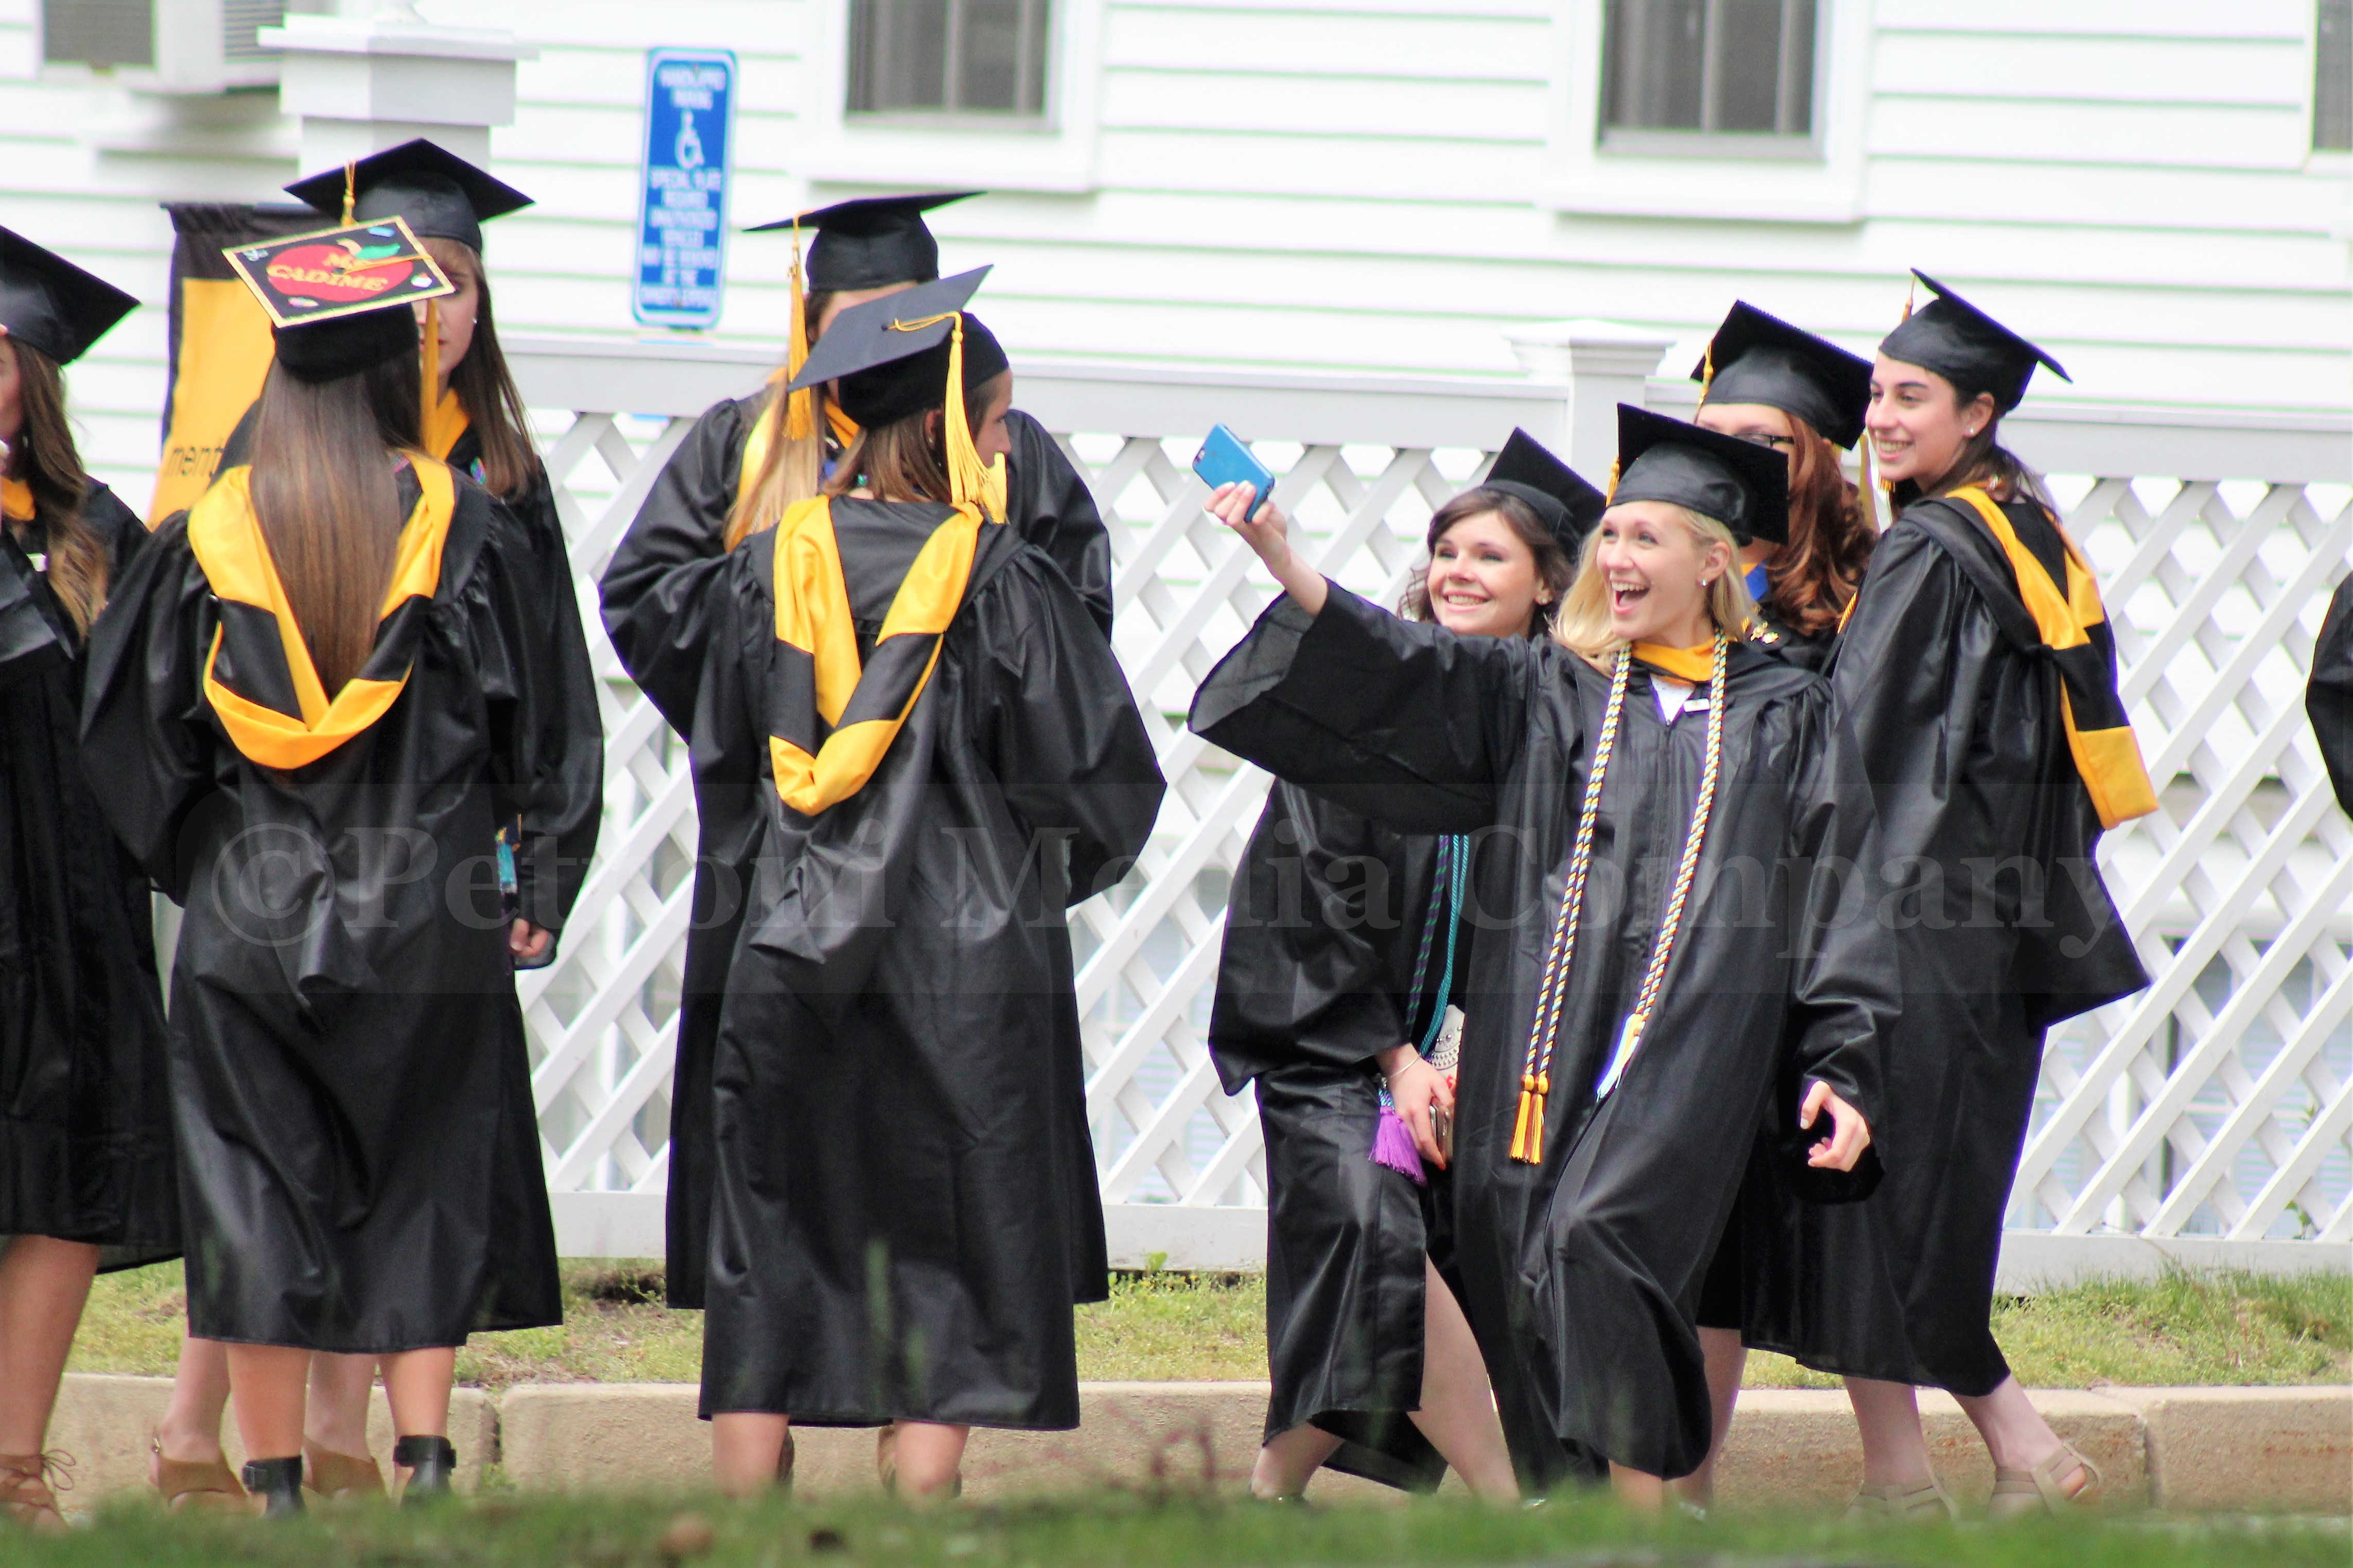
column 682, row 275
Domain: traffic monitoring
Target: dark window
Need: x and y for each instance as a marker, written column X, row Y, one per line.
column 2332, row 77
column 959, row 56
column 1731, row 66
column 98, row 32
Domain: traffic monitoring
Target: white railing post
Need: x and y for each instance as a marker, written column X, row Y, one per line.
column 1605, row 363
column 363, row 82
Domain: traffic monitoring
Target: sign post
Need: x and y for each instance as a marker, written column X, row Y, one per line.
column 682, row 277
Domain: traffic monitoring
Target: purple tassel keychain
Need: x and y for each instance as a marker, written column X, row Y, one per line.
column 1393, row 1144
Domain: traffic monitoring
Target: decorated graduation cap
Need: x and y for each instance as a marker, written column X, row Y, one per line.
column 1527, row 471
column 911, row 352
column 49, row 303
column 874, row 242
column 1741, row 485
column 437, row 194
column 1759, row 358
column 338, row 298
column 1966, row 347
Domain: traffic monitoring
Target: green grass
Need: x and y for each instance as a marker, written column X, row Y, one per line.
column 2186, row 1328
column 1135, row 1531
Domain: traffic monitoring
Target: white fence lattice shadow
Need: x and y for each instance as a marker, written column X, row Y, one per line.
column 2217, row 1104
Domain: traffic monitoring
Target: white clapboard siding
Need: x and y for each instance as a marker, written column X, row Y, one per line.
column 1363, row 186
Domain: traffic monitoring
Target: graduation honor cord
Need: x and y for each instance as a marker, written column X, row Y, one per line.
column 1393, row 1144
column 1551, row 991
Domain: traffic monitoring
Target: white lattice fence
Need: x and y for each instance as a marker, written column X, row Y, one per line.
column 2209, row 1114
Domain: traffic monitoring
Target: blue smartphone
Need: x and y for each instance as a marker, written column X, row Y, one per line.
column 1225, row 459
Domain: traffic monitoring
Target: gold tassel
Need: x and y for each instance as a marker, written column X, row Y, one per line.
column 1527, row 1135
column 351, row 191
column 1707, row 370
column 1611, row 494
column 429, row 360
column 1910, row 290
column 800, row 407
column 970, row 481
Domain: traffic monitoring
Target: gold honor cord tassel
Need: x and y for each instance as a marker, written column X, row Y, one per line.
column 1535, row 1075
column 1663, row 950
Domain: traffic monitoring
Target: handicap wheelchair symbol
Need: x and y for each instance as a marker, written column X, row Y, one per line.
column 689, row 149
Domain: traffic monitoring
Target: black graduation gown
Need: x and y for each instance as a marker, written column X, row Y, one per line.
column 1967, row 758
column 359, row 1157
column 2329, row 697
column 903, row 1203
column 85, row 1104
column 1580, row 1274
column 1315, row 975
column 1046, row 504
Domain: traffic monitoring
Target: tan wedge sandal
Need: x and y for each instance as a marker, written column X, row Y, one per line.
column 208, row 1484
column 29, row 1484
column 1927, row 1503
column 2017, row 1493
column 336, row 1476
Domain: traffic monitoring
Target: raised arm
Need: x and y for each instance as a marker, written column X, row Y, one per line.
column 657, row 590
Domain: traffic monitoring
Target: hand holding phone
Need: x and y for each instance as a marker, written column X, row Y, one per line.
column 1225, row 458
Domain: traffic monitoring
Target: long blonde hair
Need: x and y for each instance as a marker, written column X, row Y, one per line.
column 1583, row 625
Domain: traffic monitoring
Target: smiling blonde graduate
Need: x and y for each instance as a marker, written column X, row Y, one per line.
column 1663, row 946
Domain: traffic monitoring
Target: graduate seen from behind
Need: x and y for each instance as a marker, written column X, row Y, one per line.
column 1657, row 956
column 316, row 697
column 1780, row 386
column 907, row 729
column 85, row 1128
column 1977, row 673
column 1347, row 945
column 474, row 423
column 745, row 463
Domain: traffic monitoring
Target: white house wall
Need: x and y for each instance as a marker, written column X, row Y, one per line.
column 1326, row 185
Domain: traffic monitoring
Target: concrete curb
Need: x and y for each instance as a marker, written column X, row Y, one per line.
column 2181, row 1450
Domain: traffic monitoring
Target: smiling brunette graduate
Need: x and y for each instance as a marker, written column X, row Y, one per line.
column 314, row 699
column 85, row 1124
column 1780, row 386
column 746, row 462
column 907, row 728
column 1654, row 959
column 1977, row 673
column 1347, row 946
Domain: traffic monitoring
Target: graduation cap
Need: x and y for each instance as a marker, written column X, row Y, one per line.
column 338, row 298
column 874, row 242
column 49, row 303
column 1966, row 347
column 1567, row 506
column 438, row 194
column 890, row 356
column 1741, row 485
column 1758, row 358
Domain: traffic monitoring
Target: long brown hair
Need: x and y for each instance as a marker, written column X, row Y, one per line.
column 44, row 457
column 790, row 470
column 907, row 460
column 485, row 386
column 1811, row 579
column 1554, row 570
column 330, row 511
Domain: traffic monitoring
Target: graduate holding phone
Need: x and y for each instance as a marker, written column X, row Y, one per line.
column 1340, row 996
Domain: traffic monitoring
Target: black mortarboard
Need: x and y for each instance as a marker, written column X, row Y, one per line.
column 53, row 305
column 1567, row 506
column 890, row 356
column 1741, row 485
column 339, row 300
column 1757, row 358
column 1966, row 347
column 874, row 242
column 440, row 195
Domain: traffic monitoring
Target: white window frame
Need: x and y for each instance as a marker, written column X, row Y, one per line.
column 1817, row 179
column 1055, row 152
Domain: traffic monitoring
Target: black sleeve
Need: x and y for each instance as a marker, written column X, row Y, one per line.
column 1048, row 504
column 657, row 592
column 30, row 641
column 1304, row 970
column 1403, row 721
column 2329, row 699
column 146, row 742
column 1067, row 742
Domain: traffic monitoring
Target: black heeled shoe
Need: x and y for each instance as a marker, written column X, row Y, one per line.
column 277, row 1483
column 431, row 1462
